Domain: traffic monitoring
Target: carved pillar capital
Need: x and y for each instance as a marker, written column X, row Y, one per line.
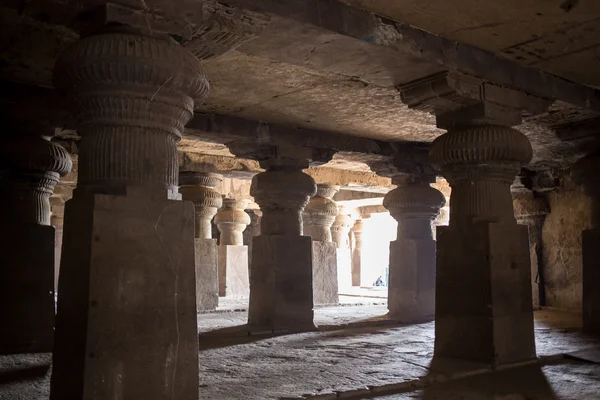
column 199, row 188
column 357, row 231
column 131, row 96
column 480, row 162
column 414, row 204
column 530, row 209
column 30, row 167
column 340, row 229
column 232, row 221
column 320, row 213
column 282, row 192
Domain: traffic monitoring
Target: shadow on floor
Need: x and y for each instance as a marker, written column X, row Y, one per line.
column 525, row 382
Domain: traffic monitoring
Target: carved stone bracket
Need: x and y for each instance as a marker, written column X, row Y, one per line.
column 457, row 99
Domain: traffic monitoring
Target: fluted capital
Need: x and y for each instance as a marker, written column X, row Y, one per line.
column 586, row 172
column 116, row 58
column 232, row 221
column 282, row 192
column 414, row 200
column 326, row 190
column 232, row 212
column 496, row 152
column 198, row 187
column 30, row 167
column 131, row 96
column 35, row 154
column 282, row 188
column 320, row 213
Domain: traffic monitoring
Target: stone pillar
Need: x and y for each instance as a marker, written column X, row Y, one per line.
column 340, row 232
column 30, row 167
column 198, row 187
column 531, row 210
column 252, row 230
column 281, row 296
column 586, row 172
column 233, row 255
column 57, row 220
column 483, row 289
column 320, row 213
column 340, row 229
column 414, row 205
column 318, row 217
column 357, row 256
column 126, row 323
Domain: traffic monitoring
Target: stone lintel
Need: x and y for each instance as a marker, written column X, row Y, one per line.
column 458, row 98
column 367, row 26
column 408, row 158
column 269, row 155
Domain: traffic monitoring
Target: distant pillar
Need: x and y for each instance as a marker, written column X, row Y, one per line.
column 281, row 296
column 357, row 252
column 340, row 232
column 233, row 254
column 411, row 291
column 30, row 167
column 318, row 217
column 483, row 286
column 199, row 188
column 57, row 220
column 531, row 210
column 586, row 172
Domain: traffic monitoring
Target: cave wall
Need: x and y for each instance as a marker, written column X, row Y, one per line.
column 570, row 213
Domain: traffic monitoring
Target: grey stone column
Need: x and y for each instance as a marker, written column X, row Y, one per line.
column 531, row 210
column 357, row 252
column 281, row 296
column 126, row 322
column 318, row 217
column 57, row 220
column 586, row 172
column 199, row 188
column 483, row 289
column 414, row 205
column 340, row 229
column 340, row 234
column 320, row 213
column 233, row 255
column 30, row 167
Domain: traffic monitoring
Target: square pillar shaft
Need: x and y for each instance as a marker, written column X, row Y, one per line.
column 411, row 291
column 207, row 275
column 233, row 271
column 281, row 295
column 591, row 281
column 325, row 279
column 126, row 290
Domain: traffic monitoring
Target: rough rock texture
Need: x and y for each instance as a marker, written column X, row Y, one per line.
column 207, row 275
column 233, row 271
column 325, row 269
column 281, row 295
column 561, row 235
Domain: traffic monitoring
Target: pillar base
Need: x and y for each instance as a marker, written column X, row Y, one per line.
column 344, row 268
column 325, row 280
column 233, row 271
column 591, row 281
column 483, row 294
column 411, row 291
column 281, row 294
column 126, row 324
column 207, row 275
column 27, row 289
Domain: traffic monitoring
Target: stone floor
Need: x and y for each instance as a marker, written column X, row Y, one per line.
column 357, row 354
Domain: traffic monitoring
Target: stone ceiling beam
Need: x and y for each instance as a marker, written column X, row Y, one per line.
column 341, row 18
